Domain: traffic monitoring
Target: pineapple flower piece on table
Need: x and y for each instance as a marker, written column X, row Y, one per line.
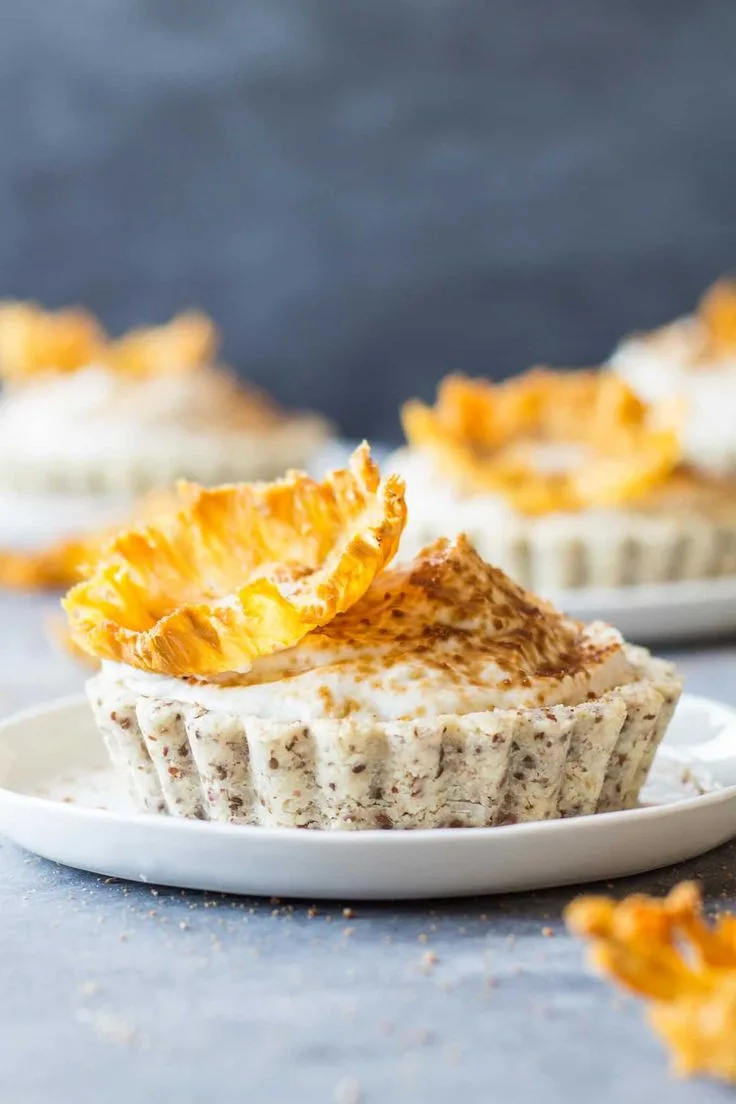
column 665, row 951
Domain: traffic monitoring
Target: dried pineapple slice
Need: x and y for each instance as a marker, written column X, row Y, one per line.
column 717, row 312
column 239, row 571
column 665, row 951
column 67, row 561
column 34, row 341
column 484, row 435
column 184, row 344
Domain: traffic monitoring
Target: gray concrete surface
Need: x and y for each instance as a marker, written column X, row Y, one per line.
column 131, row 995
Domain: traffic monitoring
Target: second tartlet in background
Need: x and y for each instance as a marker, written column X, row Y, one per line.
column 81, row 413
column 565, row 479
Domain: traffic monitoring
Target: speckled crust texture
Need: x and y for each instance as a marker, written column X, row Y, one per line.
column 152, row 464
column 568, row 552
column 492, row 768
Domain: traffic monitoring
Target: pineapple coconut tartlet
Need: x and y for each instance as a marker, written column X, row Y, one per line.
column 83, row 414
column 262, row 662
column 566, row 480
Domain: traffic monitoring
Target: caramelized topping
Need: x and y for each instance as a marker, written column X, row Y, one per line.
column 449, row 606
column 239, row 571
column 447, row 617
column 489, row 437
column 666, row 952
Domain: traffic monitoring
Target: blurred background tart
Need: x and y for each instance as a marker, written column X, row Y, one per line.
column 693, row 359
column 83, row 414
column 566, row 480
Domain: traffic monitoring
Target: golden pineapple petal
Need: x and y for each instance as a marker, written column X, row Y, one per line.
column 239, row 571
column 185, row 343
column 483, row 435
column 34, row 341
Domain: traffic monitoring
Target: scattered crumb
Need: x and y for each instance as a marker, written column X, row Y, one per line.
column 423, row 937
column 429, row 958
column 347, row 1091
column 311, row 912
column 348, row 931
column 89, row 989
column 109, row 1026
column 183, row 925
column 348, row 913
column 547, row 932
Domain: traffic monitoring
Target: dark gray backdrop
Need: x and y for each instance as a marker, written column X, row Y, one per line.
column 369, row 193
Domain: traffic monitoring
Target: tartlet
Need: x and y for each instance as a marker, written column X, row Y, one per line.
column 693, row 359
column 566, row 480
column 263, row 664
column 84, row 414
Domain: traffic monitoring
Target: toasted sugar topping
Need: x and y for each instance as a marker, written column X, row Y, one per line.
column 35, row 342
column 486, row 435
column 447, row 615
column 239, row 571
column 665, row 951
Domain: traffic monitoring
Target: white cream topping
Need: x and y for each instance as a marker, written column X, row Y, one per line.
column 98, row 413
column 669, row 364
column 338, row 687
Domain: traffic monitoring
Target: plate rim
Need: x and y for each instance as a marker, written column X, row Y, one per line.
column 687, row 591
column 409, row 838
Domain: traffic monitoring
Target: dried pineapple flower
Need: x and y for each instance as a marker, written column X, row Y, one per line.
column 67, row 561
column 182, row 345
column 34, row 341
column 239, row 571
column 717, row 312
column 665, row 951
column 610, row 447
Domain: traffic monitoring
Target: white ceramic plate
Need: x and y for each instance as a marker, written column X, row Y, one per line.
column 659, row 611
column 59, row 798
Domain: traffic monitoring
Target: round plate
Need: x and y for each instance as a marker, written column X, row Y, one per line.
column 60, row 798
column 658, row 611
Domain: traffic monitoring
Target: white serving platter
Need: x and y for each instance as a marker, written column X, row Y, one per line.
column 658, row 612
column 60, row 799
